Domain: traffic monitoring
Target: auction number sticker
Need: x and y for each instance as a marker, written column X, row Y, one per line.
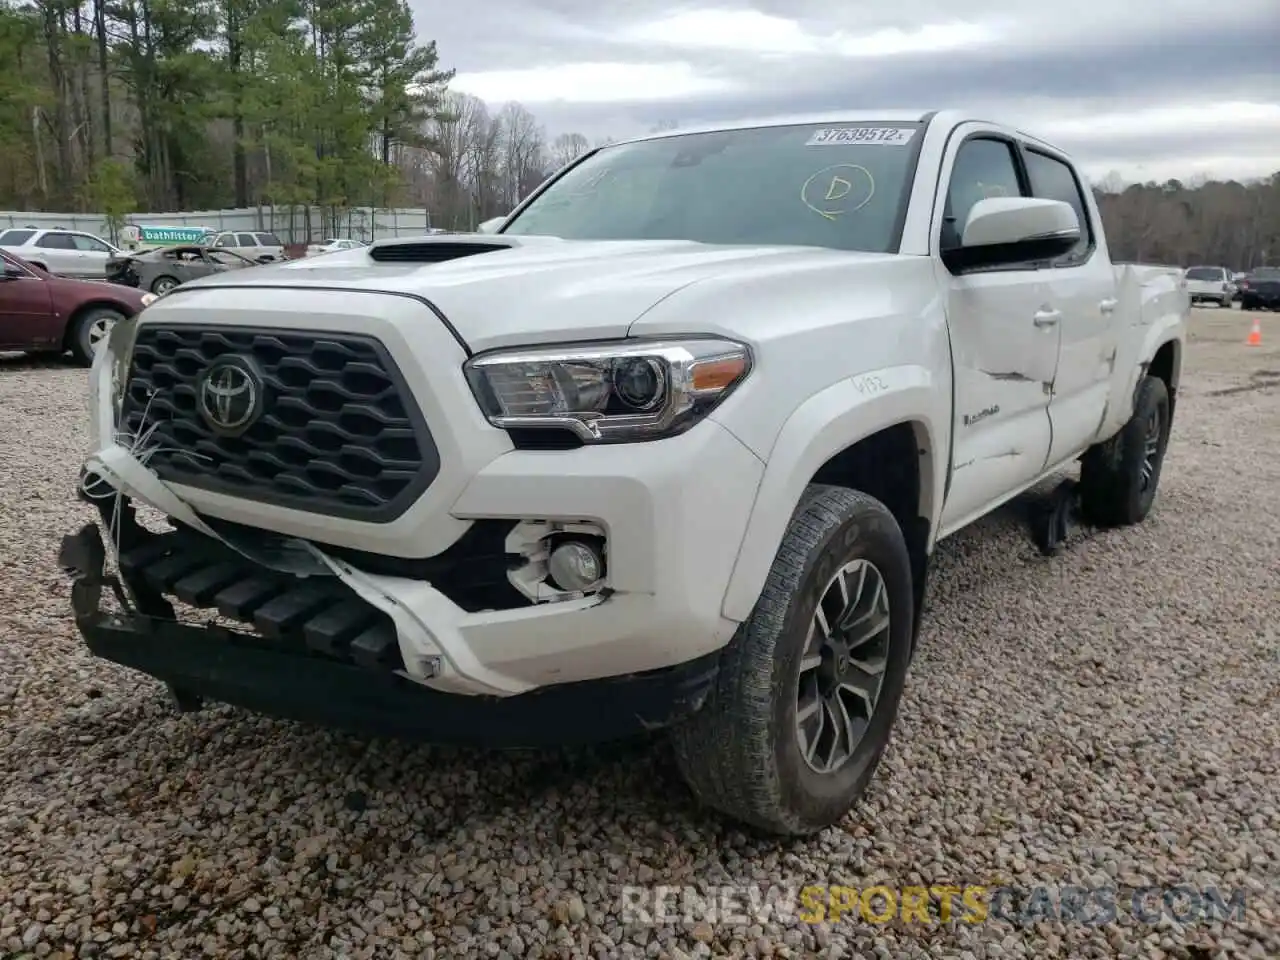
column 842, row 136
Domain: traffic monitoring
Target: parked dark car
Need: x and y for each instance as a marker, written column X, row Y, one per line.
column 1260, row 289
column 41, row 313
column 161, row 270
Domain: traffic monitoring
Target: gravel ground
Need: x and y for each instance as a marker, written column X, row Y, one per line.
column 1107, row 717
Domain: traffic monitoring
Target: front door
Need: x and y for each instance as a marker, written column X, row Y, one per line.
column 26, row 312
column 1004, row 342
column 93, row 255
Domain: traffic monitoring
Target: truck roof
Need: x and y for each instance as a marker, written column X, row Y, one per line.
column 948, row 118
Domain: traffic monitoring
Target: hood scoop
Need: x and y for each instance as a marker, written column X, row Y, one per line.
column 432, row 250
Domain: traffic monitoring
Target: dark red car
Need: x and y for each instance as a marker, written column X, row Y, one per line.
column 43, row 313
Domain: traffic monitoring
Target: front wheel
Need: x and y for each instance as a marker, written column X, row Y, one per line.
column 1118, row 479
column 90, row 330
column 809, row 686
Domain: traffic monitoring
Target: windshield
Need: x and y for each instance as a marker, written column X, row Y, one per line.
column 1204, row 273
column 840, row 186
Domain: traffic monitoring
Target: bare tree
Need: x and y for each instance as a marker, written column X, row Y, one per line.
column 461, row 118
column 480, row 164
column 567, row 148
column 523, row 152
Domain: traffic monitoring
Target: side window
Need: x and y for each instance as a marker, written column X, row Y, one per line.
column 56, row 241
column 15, row 238
column 983, row 169
column 1051, row 179
column 246, row 240
column 88, row 244
column 225, row 240
column 269, row 240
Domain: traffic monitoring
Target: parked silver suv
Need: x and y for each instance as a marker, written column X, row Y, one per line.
column 253, row 244
column 66, row 253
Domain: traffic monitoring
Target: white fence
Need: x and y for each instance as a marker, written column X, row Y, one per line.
column 289, row 223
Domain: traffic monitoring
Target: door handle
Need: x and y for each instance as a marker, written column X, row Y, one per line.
column 1108, row 306
column 1047, row 318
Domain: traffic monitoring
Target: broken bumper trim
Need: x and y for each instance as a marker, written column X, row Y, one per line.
column 267, row 677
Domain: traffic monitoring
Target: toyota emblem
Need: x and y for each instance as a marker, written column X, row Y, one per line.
column 230, row 395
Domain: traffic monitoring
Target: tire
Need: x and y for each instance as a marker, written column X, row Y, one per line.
column 1113, row 492
column 88, row 329
column 1225, row 303
column 741, row 752
column 162, row 285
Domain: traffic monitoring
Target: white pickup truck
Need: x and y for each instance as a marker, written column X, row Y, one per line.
column 671, row 448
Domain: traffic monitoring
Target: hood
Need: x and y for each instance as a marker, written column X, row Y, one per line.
column 499, row 290
column 71, row 290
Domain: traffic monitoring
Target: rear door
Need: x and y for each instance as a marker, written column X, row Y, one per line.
column 1082, row 286
column 249, row 246
column 57, row 251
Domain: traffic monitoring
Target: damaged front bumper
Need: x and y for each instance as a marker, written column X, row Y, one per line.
column 671, row 548
column 314, row 660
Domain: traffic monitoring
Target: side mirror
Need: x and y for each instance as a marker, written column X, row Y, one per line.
column 491, row 225
column 1008, row 230
column 12, row 272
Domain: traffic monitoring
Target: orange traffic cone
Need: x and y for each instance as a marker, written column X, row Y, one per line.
column 1255, row 335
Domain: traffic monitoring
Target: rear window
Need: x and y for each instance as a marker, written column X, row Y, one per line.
column 269, row 240
column 1204, row 273
column 1266, row 273
column 56, row 241
column 15, row 238
column 1051, row 179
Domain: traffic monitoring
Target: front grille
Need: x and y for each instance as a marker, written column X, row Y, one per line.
column 338, row 433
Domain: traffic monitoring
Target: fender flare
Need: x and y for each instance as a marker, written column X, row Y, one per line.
column 1146, row 343
column 1167, row 330
column 832, row 420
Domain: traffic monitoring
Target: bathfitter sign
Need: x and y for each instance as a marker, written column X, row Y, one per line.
column 140, row 233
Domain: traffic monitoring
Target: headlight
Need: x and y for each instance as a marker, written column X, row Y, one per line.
column 148, row 299
column 609, row 392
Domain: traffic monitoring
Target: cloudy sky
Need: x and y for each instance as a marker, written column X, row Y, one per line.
column 1151, row 89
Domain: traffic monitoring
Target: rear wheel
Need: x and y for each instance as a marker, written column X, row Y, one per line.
column 1118, row 479
column 809, row 686
column 89, row 330
column 163, row 285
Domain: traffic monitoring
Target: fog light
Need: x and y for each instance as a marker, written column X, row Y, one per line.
column 575, row 566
